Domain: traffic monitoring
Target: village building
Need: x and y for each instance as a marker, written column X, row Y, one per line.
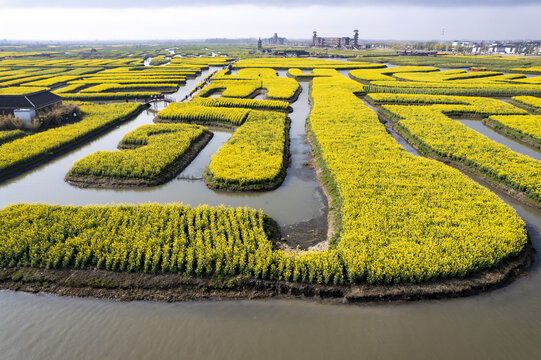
column 26, row 106
column 503, row 48
column 477, row 48
column 460, row 43
column 336, row 42
column 275, row 40
column 500, row 48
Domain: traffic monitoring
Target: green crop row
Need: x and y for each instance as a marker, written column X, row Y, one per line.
column 187, row 112
column 243, row 103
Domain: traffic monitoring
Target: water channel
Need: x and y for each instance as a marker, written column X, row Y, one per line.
column 501, row 324
column 298, row 203
column 516, row 146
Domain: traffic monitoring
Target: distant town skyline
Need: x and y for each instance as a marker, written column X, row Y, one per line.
column 166, row 19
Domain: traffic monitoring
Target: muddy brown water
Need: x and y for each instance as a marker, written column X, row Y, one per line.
column 501, row 324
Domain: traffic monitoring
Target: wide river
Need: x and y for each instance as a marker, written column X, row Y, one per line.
column 501, row 324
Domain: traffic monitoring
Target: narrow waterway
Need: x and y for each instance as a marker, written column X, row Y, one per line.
column 516, row 146
column 197, row 167
column 184, row 91
column 389, row 126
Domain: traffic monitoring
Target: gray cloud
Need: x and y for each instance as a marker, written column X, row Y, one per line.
column 291, row 3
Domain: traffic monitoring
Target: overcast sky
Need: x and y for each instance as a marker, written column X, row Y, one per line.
column 199, row 19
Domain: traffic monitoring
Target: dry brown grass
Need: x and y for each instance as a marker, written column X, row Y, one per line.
column 56, row 116
column 10, row 122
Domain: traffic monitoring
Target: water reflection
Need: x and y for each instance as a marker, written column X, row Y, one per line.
column 299, row 198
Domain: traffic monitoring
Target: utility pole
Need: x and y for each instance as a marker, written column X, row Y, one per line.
column 442, row 35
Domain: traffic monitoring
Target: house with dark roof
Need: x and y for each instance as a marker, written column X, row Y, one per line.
column 25, row 106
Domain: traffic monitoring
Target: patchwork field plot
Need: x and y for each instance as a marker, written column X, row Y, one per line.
column 411, row 79
column 385, row 73
column 530, row 102
column 493, row 63
column 430, row 128
column 396, row 218
column 281, row 63
column 108, row 80
column 9, row 135
column 379, row 249
column 20, row 155
column 525, row 128
column 300, row 75
column 452, row 88
column 255, row 158
column 203, row 114
column 250, row 82
column 154, row 154
column 275, row 105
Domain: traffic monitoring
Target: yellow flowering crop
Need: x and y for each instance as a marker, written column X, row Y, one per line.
column 254, row 156
column 521, row 126
column 152, row 151
column 94, row 118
